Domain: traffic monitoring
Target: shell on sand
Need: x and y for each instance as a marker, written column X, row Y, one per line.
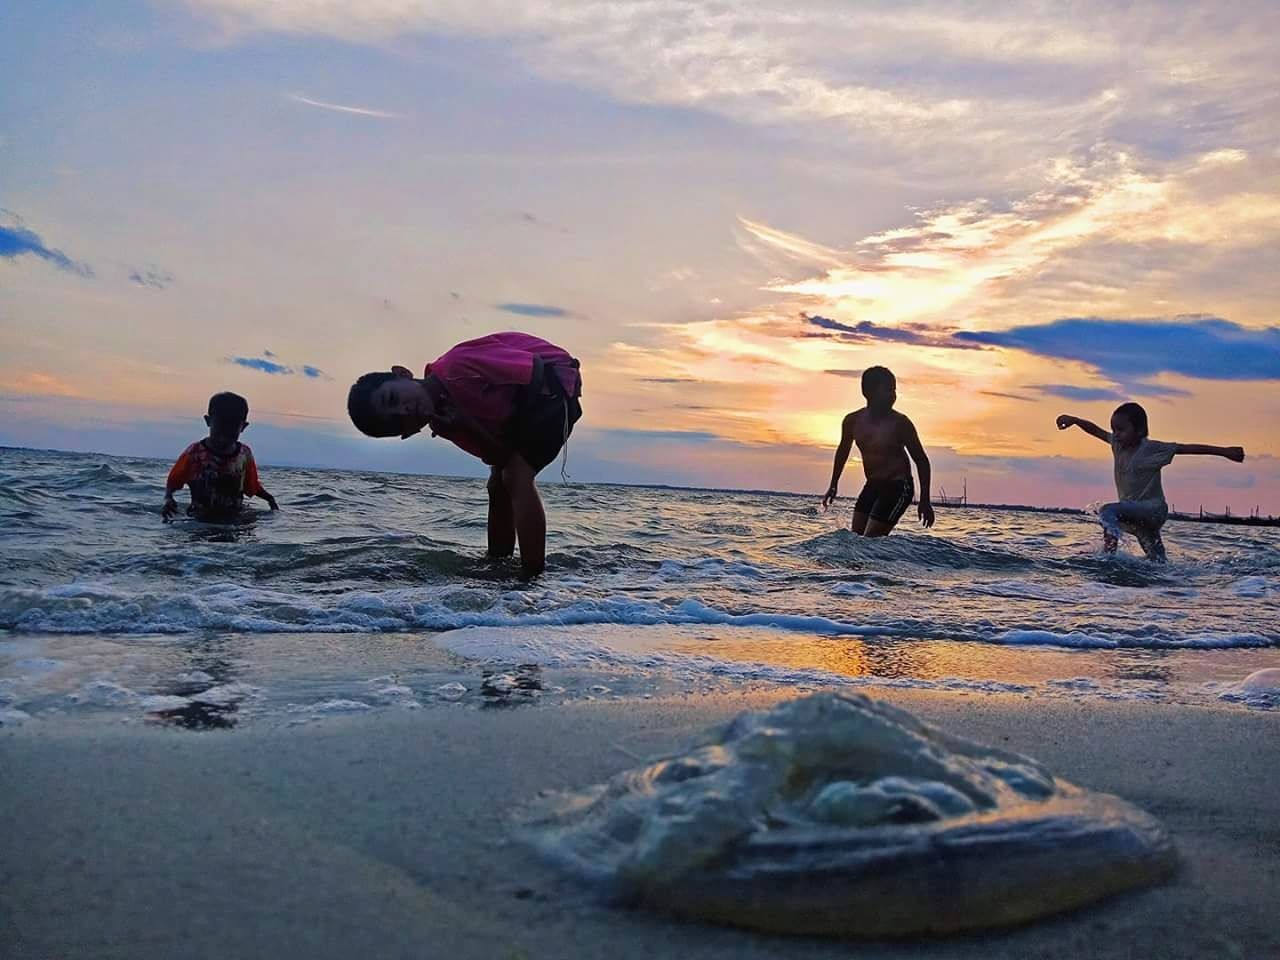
column 839, row 815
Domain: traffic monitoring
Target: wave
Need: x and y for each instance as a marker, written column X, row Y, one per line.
column 90, row 608
column 846, row 549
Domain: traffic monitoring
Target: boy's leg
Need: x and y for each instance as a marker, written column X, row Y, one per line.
column 502, row 526
column 1144, row 522
column 526, row 508
column 1109, row 517
column 892, row 502
column 1152, row 543
column 878, row 528
column 859, row 522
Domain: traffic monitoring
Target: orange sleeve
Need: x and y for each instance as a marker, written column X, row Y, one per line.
column 252, row 486
column 180, row 473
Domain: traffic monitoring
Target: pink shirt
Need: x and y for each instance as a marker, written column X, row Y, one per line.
column 483, row 377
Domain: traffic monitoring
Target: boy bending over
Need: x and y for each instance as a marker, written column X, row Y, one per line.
column 884, row 438
column 510, row 399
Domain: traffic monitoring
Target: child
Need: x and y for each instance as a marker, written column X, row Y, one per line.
column 884, row 439
column 1141, row 509
column 510, row 399
column 219, row 469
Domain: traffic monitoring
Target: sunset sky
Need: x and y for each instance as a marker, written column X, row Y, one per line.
column 726, row 210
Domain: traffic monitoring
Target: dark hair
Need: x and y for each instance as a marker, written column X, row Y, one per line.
column 873, row 378
column 229, row 407
column 1134, row 413
column 360, row 406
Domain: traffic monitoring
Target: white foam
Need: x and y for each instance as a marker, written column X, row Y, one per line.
column 1101, row 641
column 856, row 589
column 451, row 691
column 159, row 702
column 225, row 695
column 12, row 718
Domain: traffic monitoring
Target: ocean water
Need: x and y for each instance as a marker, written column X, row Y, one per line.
column 371, row 592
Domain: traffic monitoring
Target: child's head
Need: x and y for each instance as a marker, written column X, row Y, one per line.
column 880, row 387
column 1129, row 424
column 389, row 404
column 227, row 417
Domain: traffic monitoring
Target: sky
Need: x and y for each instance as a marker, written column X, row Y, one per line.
column 726, row 210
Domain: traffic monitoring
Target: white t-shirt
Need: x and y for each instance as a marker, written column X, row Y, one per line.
column 1138, row 468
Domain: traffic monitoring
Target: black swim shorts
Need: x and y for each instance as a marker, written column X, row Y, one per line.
column 545, row 415
column 886, row 500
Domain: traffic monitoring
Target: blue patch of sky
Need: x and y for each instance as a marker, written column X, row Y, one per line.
column 532, row 310
column 1208, row 348
column 310, row 371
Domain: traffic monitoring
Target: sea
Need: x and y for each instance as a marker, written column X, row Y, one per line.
column 371, row 592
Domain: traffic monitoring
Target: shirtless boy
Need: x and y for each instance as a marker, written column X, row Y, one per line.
column 884, row 438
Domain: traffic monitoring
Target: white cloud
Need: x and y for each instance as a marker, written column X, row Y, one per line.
column 992, row 88
column 340, row 108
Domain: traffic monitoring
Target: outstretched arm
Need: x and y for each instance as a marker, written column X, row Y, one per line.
column 842, row 457
column 1231, row 453
column 1088, row 426
column 911, row 439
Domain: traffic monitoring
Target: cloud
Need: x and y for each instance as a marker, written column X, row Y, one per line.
column 1203, row 347
column 263, row 365
column 532, row 310
column 16, row 241
column 1082, row 394
column 269, row 363
column 342, row 108
column 151, row 276
column 1007, row 396
column 38, row 383
column 992, row 91
column 916, row 335
column 678, row 436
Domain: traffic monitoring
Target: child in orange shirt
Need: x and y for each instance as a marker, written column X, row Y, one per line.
column 219, row 469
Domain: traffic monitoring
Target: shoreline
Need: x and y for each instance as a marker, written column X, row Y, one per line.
column 387, row 834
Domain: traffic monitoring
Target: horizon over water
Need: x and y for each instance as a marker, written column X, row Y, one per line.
column 370, row 591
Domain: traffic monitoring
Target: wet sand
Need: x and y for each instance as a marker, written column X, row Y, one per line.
column 385, row 835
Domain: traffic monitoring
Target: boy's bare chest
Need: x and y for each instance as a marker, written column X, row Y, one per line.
column 877, row 436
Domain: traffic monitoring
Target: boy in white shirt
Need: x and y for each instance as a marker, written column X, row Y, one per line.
column 1141, row 509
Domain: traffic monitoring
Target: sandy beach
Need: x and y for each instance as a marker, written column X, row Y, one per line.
column 387, row 835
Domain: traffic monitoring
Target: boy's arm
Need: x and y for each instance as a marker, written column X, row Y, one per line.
column 1231, row 453
column 842, row 457
column 253, row 486
column 1088, row 426
column 911, row 440
column 177, row 479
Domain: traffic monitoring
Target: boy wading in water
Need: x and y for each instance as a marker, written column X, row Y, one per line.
column 884, row 438
column 510, row 399
column 220, row 470
column 1141, row 509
